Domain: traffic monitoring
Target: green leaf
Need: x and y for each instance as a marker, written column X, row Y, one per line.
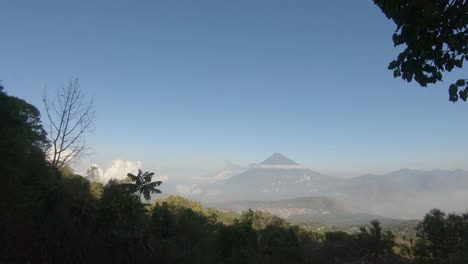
column 450, row 65
column 453, row 96
column 460, row 82
column 393, row 65
column 438, row 62
column 463, row 95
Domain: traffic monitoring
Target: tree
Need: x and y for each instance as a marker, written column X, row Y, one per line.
column 70, row 118
column 279, row 244
column 375, row 243
column 435, row 35
column 93, row 173
column 260, row 219
column 337, row 247
column 22, row 141
column 25, row 177
column 143, row 184
column 181, row 202
column 442, row 237
column 237, row 243
column 120, row 215
column 21, row 125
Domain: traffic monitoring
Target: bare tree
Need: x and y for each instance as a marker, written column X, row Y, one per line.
column 70, row 118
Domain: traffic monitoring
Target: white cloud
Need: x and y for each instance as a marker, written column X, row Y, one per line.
column 188, row 189
column 66, row 154
column 99, row 170
column 120, row 168
column 98, row 173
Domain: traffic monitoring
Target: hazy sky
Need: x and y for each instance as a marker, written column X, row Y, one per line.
column 196, row 83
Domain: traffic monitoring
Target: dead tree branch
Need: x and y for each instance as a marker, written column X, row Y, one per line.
column 70, row 117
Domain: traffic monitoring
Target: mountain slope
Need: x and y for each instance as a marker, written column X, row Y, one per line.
column 409, row 193
column 275, row 178
column 278, row 159
column 405, row 193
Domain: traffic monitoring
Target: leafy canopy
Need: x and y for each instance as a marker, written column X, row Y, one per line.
column 442, row 236
column 375, row 243
column 143, row 184
column 435, row 35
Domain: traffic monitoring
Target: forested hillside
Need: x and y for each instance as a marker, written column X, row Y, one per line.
column 51, row 215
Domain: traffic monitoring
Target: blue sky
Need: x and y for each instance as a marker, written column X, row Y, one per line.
column 197, row 83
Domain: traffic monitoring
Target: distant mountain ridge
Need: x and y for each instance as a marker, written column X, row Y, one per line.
column 278, row 177
column 409, row 193
column 404, row 193
column 229, row 170
column 278, row 159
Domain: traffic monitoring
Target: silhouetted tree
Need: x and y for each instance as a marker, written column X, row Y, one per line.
column 143, row 184
column 435, row 37
column 118, row 207
column 375, row 244
column 237, row 243
column 25, row 190
column 337, row 247
column 442, row 237
column 22, row 144
column 280, row 244
column 69, row 118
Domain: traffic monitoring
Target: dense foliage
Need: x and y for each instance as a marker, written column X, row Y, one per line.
column 435, row 40
column 442, row 238
column 70, row 219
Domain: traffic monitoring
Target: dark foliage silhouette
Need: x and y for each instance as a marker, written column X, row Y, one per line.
column 435, row 39
column 376, row 244
column 442, row 238
column 143, row 184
